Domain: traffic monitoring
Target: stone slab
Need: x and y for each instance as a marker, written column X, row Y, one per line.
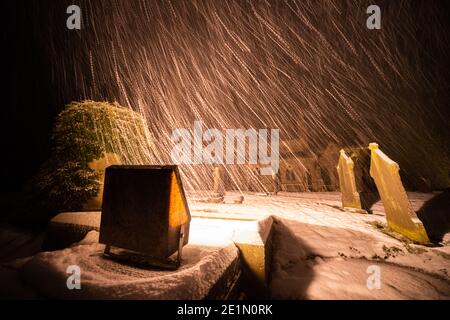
column 251, row 236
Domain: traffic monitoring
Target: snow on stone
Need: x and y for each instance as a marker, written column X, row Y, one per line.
column 102, row 278
column 318, row 262
column 320, row 251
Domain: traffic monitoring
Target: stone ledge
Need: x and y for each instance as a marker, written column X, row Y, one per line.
column 206, row 273
column 256, row 253
column 68, row 228
column 252, row 238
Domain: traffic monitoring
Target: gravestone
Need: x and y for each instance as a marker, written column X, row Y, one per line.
column 398, row 209
column 347, row 182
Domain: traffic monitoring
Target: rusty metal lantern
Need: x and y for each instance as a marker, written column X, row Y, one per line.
column 145, row 216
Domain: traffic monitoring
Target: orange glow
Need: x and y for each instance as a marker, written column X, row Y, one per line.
column 177, row 210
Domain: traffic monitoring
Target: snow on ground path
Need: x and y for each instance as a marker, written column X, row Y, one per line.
column 312, row 229
column 318, row 262
column 320, row 252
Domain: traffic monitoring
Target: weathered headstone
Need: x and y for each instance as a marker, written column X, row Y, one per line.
column 368, row 194
column 218, row 183
column 398, row 209
column 276, row 182
column 349, row 193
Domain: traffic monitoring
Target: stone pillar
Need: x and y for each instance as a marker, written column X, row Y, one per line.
column 218, row 183
column 276, row 182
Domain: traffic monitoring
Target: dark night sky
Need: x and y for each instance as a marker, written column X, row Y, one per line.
column 46, row 66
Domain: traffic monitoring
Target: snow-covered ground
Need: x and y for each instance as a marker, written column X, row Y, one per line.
column 319, row 252
column 324, row 252
column 107, row 279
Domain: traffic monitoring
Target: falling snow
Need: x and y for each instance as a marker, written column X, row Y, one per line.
column 311, row 69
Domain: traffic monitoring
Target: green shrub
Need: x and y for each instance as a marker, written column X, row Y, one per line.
column 85, row 131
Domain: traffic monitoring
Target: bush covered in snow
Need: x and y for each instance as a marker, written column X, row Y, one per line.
column 85, row 133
